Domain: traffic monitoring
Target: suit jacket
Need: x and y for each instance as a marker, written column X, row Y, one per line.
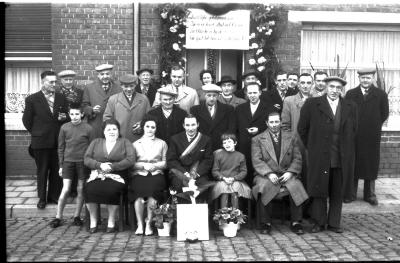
column 272, row 97
column 371, row 115
column 93, row 95
column 43, row 125
column 315, row 128
column 234, row 102
column 224, row 121
column 151, row 92
column 127, row 115
column 265, row 162
column 166, row 128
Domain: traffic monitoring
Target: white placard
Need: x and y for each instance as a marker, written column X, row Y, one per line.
column 192, row 219
column 228, row 31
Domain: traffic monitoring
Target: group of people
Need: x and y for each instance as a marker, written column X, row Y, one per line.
column 303, row 138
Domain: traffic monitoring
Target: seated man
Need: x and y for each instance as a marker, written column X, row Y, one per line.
column 189, row 158
column 277, row 162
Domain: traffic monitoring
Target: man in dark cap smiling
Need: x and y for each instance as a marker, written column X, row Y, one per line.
column 227, row 85
column 249, row 77
column 145, row 85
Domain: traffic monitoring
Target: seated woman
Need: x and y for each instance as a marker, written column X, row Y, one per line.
column 109, row 158
column 147, row 181
column 229, row 170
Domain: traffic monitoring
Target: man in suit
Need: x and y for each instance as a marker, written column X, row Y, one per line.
column 214, row 117
column 227, row 85
column 327, row 128
column 187, row 97
column 293, row 81
column 277, row 163
column 145, row 85
column 170, row 117
column 319, row 88
column 189, row 158
column 128, row 107
column 276, row 95
column 373, row 110
column 45, row 112
column 250, row 121
column 96, row 95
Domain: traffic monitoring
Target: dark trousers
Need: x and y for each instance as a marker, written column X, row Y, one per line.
column 319, row 204
column 296, row 212
column 47, row 169
column 369, row 189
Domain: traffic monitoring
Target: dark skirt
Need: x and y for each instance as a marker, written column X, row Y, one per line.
column 147, row 186
column 104, row 191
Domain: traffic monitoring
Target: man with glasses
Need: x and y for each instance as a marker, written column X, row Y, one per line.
column 319, row 84
column 327, row 128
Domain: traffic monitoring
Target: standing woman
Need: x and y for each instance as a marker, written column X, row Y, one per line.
column 109, row 158
column 206, row 77
column 148, row 181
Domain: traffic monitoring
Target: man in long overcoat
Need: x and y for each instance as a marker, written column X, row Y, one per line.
column 214, row 117
column 96, row 95
column 327, row 127
column 145, row 85
column 373, row 110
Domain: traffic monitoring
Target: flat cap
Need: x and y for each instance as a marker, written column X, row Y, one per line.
column 140, row 71
column 251, row 73
column 65, row 73
column 335, row 78
column 365, row 71
column 225, row 79
column 104, row 67
column 168, row 90
column 211, row 88
column 128, row 79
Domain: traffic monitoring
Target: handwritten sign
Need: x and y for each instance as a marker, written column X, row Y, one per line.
column 228, row 31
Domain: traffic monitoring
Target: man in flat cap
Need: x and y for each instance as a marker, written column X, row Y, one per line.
column 214, row 117
column 187, row 96
column 227, row 85
column 276, row 95
column 327, row 128
column 145, row 85
column 170, row 116
column 68, row 87
column 373, row 110
column 96, row 95
column 248, row 77
column 128, row 107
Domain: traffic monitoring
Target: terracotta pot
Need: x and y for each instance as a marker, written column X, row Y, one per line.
column 165, row 232
column 230, row 230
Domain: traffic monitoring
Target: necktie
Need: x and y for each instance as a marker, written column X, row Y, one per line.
column 275, row 137
column 366, row 91
column 282, row 95
column 106, row 87
column 50, row 100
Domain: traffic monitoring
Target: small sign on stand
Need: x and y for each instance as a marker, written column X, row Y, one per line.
column 192, row 222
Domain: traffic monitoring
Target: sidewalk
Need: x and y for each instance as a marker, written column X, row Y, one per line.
column 21, row 200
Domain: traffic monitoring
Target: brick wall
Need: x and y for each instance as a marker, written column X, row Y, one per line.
column 87, row 35
column 18, row 161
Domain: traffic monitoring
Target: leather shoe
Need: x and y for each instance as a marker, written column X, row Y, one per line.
column 111, row 230
column 335, row 229
column 317, row 228
column 297, row 228
column 41, row 204
column 93, row 230
column 266, row 230
column 372, row 201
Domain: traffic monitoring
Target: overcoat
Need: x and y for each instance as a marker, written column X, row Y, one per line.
column 315, row 129
column 371, row 114
column 127, row 115
column 224, row 121
column 94, row 94
column 151, row 92
column 234, row 102
column 272, row 97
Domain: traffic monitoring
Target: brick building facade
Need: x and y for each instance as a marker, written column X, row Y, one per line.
column 86, row 35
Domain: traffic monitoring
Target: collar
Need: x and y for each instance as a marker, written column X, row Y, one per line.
column 191, row 138
column 48, row 93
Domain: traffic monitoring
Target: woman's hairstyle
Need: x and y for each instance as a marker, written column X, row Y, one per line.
column 111, row 122
column 148, row 118
column 206, row 71
column 226, row 136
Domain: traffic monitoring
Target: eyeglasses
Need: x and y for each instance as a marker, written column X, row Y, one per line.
column 303, row 82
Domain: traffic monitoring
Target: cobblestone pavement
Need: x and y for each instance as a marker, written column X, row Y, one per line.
column 366, row 237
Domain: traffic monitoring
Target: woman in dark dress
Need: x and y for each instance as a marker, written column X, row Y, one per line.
column 109, row 159
column 147, row 180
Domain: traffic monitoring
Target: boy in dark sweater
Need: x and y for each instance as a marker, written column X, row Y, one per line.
column 73, row 140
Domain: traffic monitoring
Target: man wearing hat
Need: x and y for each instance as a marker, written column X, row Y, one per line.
column 214, row 117
column 128, row 108
column 145, row 86
column 227, row 85
column 68, row 87
column 276, row 95
column 96, row 95
column 248, row 77
column 327, row 128
column 373, row 110
column 170, row 116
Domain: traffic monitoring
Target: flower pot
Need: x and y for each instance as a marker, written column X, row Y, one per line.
column 165, row 232
column 230, row 229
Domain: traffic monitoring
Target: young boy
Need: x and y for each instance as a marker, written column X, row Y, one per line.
column 73, row 140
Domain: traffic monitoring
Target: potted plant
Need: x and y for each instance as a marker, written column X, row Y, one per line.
column 229, row 219
column 164, row 215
